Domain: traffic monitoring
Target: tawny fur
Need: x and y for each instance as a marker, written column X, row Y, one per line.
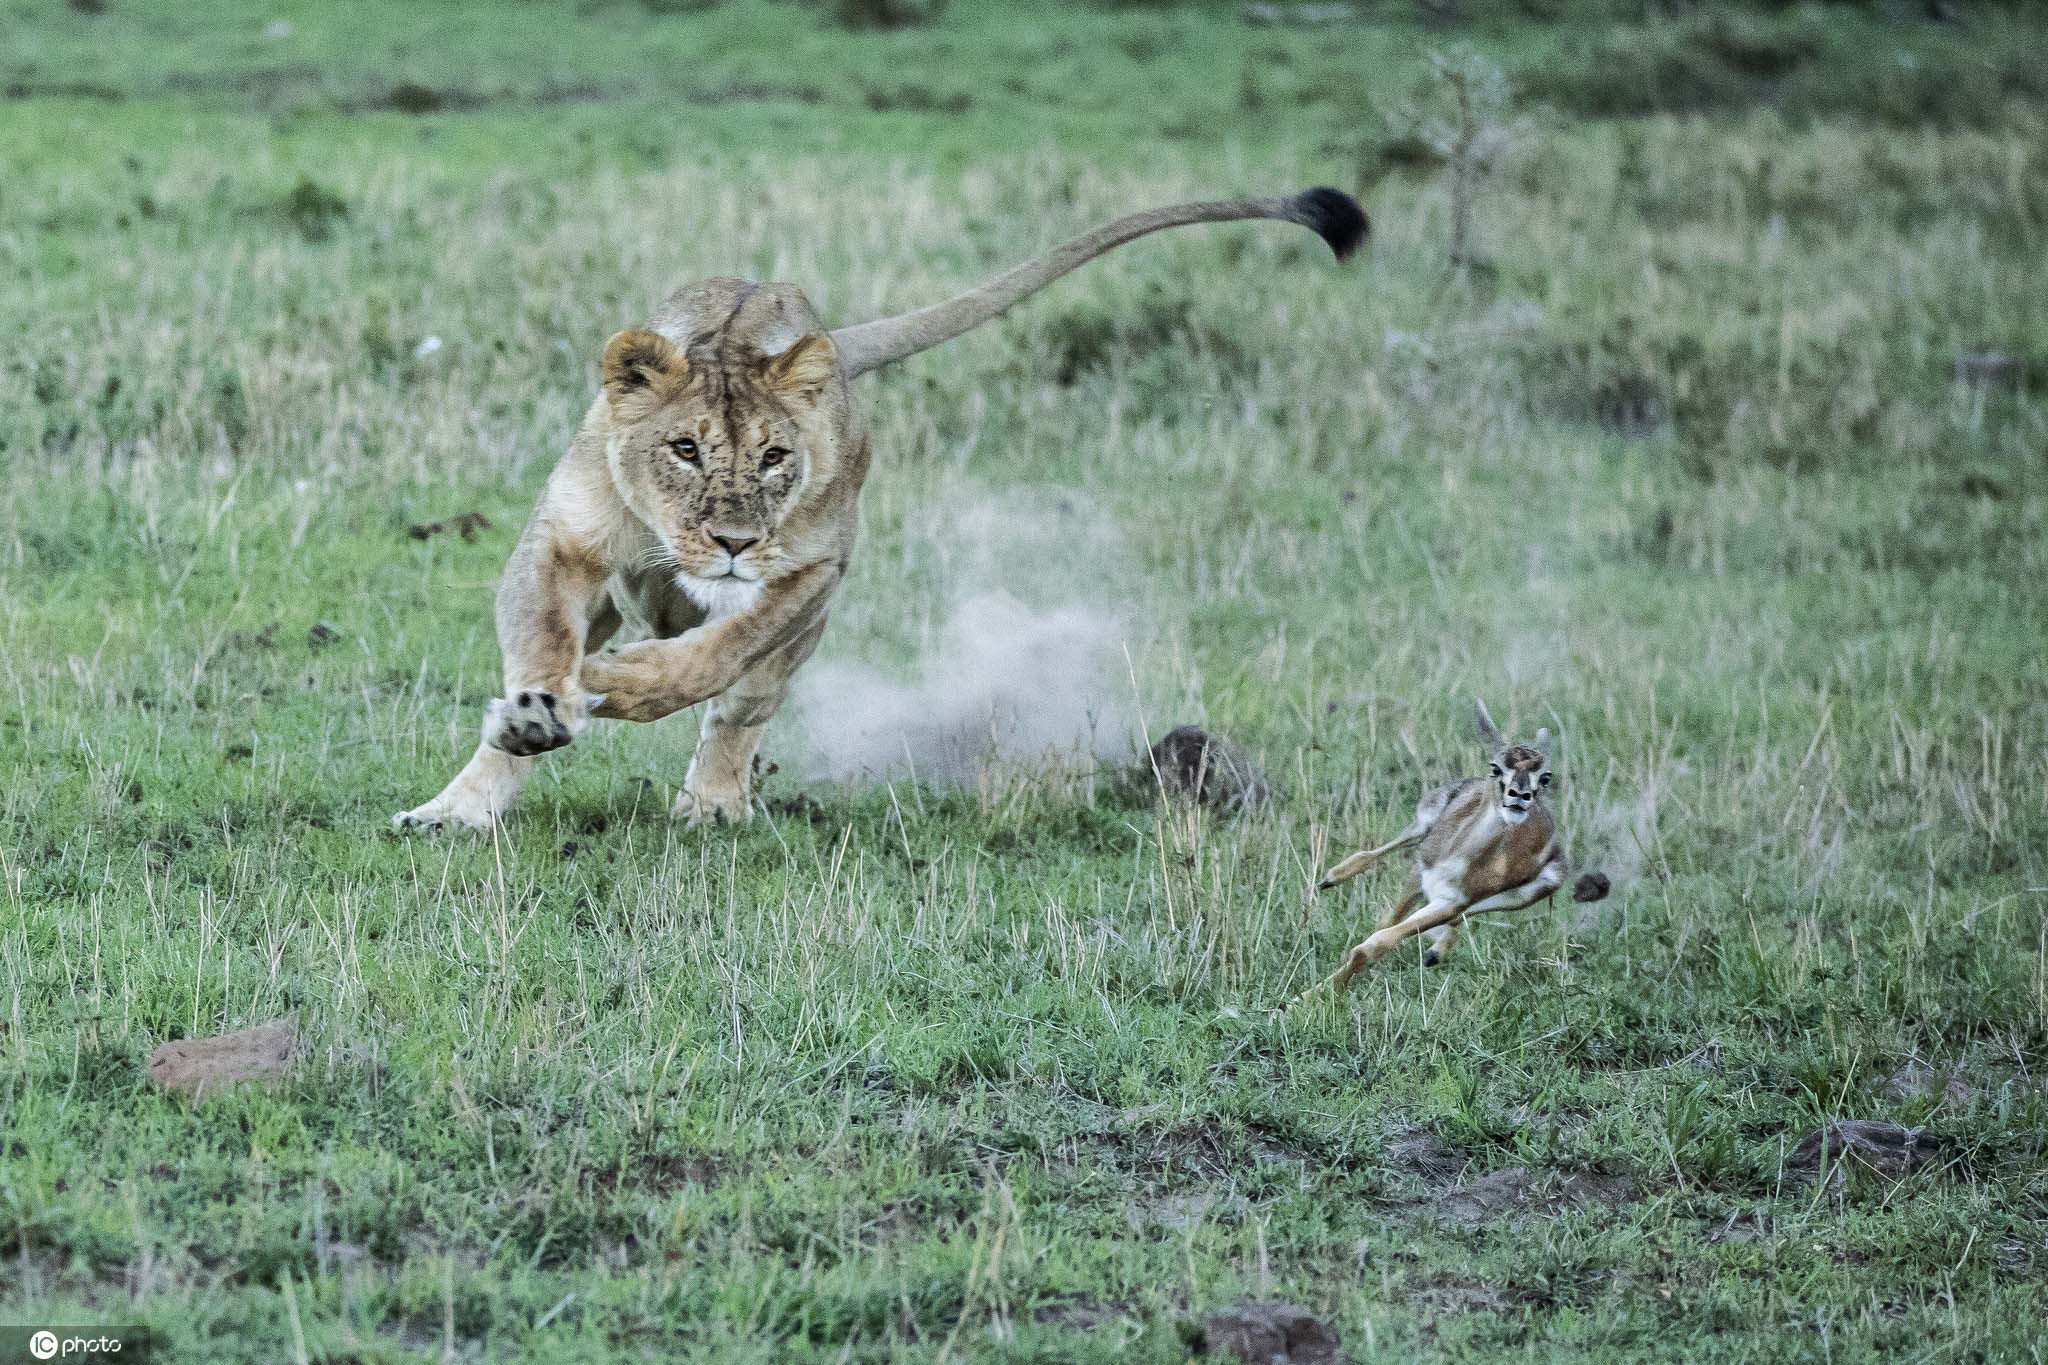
column 1481, row 845
column 706, row 510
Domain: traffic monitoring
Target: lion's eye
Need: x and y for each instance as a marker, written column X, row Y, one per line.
column 685, row 449
column 1495, row 768
column 773, row 456
column 1545, row 779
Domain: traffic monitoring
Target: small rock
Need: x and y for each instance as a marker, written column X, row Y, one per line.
column 1883, row 1149
column 410, row 97
column 427, row 349
column 1267, row 1333
column 204, row 1066
column 277, row 30
column 1194, row 765
column 1594, row 886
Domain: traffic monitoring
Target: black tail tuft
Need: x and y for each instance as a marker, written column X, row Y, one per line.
column 1335, row 216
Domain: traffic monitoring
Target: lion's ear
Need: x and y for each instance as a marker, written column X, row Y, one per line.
column 804, row 369
column 638, row 359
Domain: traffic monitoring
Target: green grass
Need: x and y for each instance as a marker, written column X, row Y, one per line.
column 988, row 1074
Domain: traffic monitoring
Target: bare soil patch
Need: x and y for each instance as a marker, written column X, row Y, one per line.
column 1889, row 1151
column 1261, row 1332
column 1515, row 1192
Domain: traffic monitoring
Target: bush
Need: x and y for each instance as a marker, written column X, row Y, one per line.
column 886, row 14
column 313, row 209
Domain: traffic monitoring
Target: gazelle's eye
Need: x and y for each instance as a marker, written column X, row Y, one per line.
column 685, row 449
column 773, row 456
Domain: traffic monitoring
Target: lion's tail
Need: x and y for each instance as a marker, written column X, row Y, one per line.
column 1333, row 214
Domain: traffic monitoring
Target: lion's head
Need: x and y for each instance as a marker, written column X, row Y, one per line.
column 714, row 454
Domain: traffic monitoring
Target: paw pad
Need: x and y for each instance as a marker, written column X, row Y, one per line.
column 525, row 724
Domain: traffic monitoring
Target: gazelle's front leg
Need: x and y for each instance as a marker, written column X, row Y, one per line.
column 546, row 600
column 1364, row 859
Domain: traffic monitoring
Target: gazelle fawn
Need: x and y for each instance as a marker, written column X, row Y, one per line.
column 1486, row 844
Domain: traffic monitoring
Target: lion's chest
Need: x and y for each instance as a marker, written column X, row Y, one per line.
column 652, row 607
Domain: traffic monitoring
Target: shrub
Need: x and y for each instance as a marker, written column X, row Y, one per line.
column 886, row 14
column 1461, row 118
column 1805, row 67
column 313, row 209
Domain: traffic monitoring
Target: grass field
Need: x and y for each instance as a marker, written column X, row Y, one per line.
column 986, row 1071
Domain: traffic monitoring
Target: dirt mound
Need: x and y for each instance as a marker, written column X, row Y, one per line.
column 1193, row 765
column 202, row 1066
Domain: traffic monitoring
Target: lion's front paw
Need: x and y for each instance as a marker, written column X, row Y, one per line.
column 706, row 807
column 532, row 723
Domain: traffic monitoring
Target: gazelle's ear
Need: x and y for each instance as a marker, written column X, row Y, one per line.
column 1488, row 731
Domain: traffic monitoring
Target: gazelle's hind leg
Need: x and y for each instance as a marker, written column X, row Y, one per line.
column 1527, row 894
column 1441, row 941
column 1383, row 941
column 1405, row 905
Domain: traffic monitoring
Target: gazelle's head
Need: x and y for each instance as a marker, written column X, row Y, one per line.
column 1519, row 773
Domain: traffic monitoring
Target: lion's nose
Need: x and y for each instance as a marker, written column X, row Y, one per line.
column 734, row 541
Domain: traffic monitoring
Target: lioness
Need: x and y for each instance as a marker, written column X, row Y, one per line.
column 707, row 508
